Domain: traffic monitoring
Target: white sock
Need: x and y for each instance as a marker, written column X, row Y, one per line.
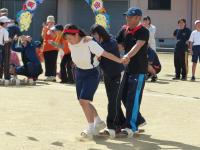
column 91, row 126
column 97, row 120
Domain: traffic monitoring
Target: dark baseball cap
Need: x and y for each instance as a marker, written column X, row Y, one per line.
column 57, row 27
column 133, row 11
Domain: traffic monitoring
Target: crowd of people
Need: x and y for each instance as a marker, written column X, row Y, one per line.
column 84, row 55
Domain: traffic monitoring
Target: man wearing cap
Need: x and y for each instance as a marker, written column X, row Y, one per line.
column 133, row 37
column 195, row 47
column 4, row 48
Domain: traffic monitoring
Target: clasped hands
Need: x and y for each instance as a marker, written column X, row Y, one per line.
column 125, row 60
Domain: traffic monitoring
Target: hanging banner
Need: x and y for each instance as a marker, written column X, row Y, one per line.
column 25, row 16
column 101, row 16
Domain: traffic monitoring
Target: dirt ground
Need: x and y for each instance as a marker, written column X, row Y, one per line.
column 48, row 116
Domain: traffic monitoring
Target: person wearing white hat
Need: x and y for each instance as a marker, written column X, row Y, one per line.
column 3, row 12
column 4, row 41
column 195, row 47
column 50, row 52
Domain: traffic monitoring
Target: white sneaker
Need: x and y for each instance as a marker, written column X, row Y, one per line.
column 12, row 81
column 53, row 79
column 128, row 131
column 1, row 82
column 17, row 82
column 88, row 134
column 99, row 126
column 111, row 132
column 47, row 79
column 31, row 82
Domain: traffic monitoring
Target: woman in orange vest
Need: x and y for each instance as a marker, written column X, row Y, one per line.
column 66, row 62
column 50, row 51
column 66, row 77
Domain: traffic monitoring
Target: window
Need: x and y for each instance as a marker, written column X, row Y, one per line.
column 159, row 4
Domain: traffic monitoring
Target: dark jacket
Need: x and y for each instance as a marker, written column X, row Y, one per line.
column 109, row 67
column 28, row 53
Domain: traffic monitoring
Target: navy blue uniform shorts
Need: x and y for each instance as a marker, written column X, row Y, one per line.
column 87, row 82
column 196, row 53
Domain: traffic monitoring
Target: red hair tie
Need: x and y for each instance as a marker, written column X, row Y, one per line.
column 73, row 31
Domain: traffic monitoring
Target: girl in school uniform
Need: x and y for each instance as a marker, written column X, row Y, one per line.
column 112, row 76
column 85, row 56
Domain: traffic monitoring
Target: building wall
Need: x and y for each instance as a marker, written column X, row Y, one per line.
column 195, row 11
column 165, row 20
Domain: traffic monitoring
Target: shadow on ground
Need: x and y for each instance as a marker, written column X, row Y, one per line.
column 144, row 142
column 141, row 142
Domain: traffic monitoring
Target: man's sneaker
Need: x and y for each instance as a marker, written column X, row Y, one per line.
column 99, row 126
column 128, row 132
column 88, row 134
column 193, row 78
column 108, row 132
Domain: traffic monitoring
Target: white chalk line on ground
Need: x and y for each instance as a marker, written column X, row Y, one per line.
column 146, row 93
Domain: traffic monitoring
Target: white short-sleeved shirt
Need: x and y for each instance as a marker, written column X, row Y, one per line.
column 195, row 37
column 4, row 36
column 81, row 54
column 152, row 40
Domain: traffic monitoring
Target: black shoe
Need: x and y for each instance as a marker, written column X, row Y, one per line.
column 147, row 76
column 154, row 78
column 193, row 78
column 142, row 124
column 176, row 78
column 70, row 82
column 63, row 82
column 184, row 78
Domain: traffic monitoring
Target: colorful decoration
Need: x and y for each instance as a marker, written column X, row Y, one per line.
column 101, row 16
column 31, row 5
column 24, row 21
column 24, row 17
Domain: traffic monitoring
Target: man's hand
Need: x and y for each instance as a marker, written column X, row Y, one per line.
column 125, row 60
